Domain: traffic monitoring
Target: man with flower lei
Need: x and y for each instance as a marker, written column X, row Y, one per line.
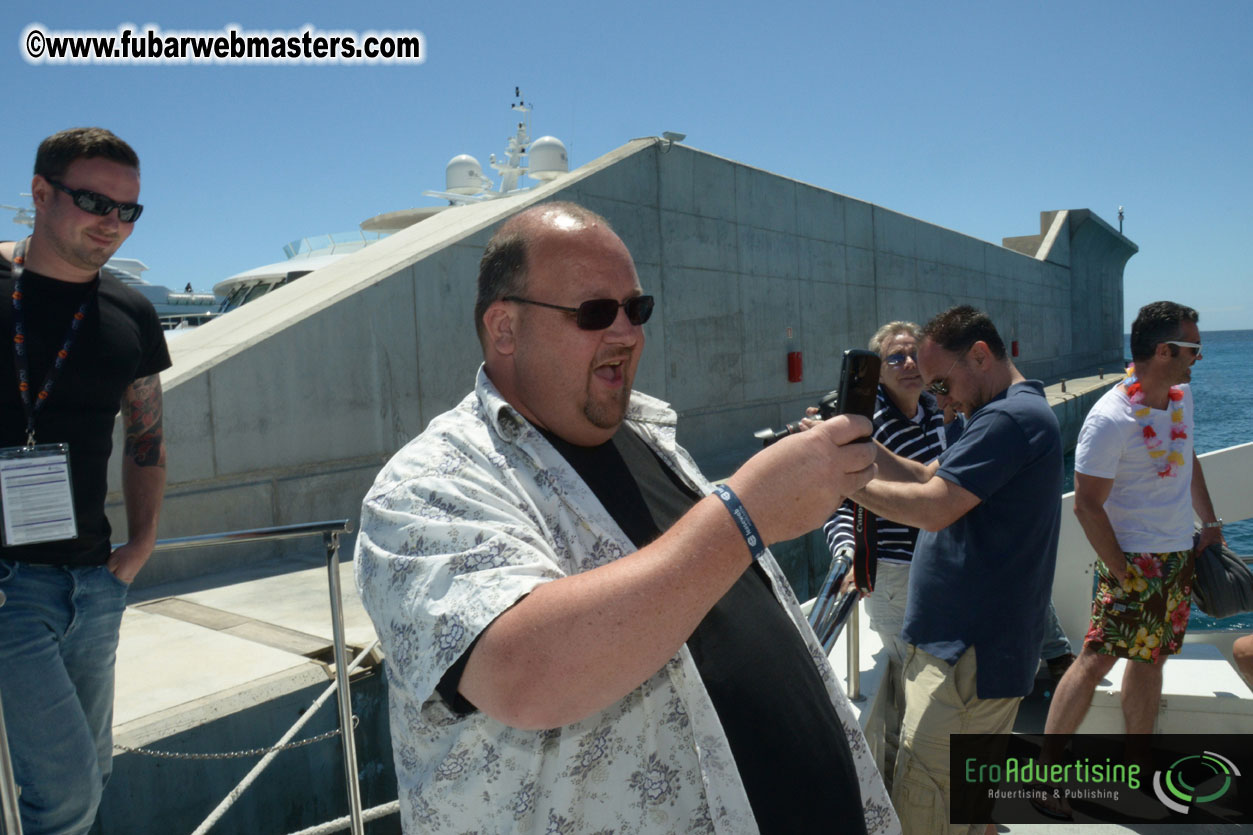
column 1137, row 484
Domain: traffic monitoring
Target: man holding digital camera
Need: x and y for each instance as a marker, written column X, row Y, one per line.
column 582, row 633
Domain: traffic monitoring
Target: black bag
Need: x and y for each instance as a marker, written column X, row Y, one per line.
column 1223, row 585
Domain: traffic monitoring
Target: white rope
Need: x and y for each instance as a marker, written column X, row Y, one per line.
column 236, row 792
column 340, row 824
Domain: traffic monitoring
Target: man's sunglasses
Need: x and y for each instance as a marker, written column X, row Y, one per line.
column 98, row 204
column 897, row 360
column 940, row 387
column 598, row 314
column 1195, row 346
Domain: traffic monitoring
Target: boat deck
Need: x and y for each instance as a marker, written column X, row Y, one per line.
column 1202, row 693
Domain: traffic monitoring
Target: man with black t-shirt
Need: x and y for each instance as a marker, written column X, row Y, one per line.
column 78, row 344
column 582, row 634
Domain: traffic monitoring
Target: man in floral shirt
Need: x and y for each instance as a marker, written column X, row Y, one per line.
column 1137, row 483
column 580, row 637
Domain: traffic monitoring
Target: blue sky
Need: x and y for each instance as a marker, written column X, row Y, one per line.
column 971, row 115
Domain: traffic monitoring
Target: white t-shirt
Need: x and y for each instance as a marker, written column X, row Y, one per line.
column 1148, row 512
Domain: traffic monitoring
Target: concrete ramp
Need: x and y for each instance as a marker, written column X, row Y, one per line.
column 283, row 410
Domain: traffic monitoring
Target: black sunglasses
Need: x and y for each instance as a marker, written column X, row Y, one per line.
column 98, row 204
column 940, row 387
column 897, row 360
column 598, row 314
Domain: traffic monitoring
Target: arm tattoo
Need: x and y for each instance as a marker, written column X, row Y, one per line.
column 141, row 406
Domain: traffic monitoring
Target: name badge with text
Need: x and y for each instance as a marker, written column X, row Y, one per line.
column 35, row 494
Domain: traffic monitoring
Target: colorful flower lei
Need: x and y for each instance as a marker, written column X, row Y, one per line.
column 1168, row 462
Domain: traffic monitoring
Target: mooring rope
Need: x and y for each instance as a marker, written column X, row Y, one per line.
column 340, row 824
column 252, row 775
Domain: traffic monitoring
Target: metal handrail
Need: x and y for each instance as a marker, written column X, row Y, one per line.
column 330, row 532
column 254, row 535
column 9, row 815
column 330, row 536
column 832, row 611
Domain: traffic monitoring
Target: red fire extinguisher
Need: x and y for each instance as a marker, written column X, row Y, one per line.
column 795, row 363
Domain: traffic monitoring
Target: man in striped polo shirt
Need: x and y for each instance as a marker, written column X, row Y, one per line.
column 910, row 423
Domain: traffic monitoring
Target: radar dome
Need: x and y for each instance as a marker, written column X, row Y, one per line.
column 547, row 159
column 464, row 175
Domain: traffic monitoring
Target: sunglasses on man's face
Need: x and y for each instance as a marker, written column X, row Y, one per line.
column 939, row 387
column 1195, row 347
column 98, row 204
column 897, row 359
column 598, row 314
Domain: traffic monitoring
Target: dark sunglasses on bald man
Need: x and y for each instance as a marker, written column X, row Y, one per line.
column 598, row 314
column 98, row 204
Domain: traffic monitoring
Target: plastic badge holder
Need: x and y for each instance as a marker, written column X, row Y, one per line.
column 35, row 495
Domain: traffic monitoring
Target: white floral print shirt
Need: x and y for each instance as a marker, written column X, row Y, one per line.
column 464, row 521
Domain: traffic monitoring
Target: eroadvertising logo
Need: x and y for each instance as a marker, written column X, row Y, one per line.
column 1174, row 790
column 1034, row 779
column 1163, row 778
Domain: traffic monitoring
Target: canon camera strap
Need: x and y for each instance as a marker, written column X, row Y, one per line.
column 865, row 550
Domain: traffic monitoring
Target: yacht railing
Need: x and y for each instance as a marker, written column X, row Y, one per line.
column 330, row 244
column 833, row 608
column 330, row 532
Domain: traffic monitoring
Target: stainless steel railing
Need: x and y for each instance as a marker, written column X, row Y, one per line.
column 832, row 610
column 330, row 532
column 8, row 786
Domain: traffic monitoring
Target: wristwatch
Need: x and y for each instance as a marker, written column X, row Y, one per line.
column 1215, row 524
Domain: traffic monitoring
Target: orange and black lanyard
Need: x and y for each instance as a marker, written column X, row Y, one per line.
column 19, row 343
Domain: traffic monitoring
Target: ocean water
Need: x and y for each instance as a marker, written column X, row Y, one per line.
column 1223, row 401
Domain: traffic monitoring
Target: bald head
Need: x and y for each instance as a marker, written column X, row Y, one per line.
column 503, row 267
column 569, row 377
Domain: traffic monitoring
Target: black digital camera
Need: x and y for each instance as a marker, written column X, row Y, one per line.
column 859, row 381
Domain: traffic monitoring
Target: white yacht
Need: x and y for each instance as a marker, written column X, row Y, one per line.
column 542, row 160
column 176, row 309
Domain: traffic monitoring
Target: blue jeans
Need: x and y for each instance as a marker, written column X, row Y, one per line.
column 58, row 642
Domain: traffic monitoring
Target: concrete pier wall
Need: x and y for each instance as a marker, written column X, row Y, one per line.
column 283, row 411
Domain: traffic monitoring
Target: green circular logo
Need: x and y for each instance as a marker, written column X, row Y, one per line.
column 1178, row 787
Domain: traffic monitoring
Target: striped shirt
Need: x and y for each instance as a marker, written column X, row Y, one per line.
column 922, row 439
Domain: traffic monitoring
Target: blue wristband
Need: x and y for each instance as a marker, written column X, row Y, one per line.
column 747, row 529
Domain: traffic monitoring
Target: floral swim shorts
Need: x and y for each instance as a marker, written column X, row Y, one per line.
column 1146, row 615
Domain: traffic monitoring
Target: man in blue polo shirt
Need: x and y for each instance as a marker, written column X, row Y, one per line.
column 989, row 508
